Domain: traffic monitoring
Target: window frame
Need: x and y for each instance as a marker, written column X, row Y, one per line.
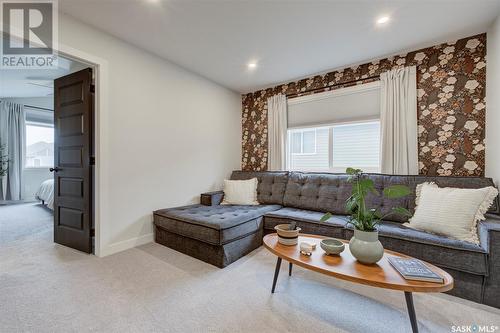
column 330, row 126
column 37, row 124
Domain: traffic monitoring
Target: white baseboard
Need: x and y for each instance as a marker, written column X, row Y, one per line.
column 126, row 244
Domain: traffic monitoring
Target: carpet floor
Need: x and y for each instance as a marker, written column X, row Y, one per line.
column 45, row 287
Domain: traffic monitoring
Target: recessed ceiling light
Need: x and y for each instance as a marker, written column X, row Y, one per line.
column 383, row 20
column 252, row 65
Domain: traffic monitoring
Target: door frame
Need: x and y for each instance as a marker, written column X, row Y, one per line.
column 101, row 103
column 101, row 107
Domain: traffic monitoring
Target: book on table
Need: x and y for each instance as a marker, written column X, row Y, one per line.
column 414, row 269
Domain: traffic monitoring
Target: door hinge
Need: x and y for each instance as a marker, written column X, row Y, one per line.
column 92, row 160
column 92, row 88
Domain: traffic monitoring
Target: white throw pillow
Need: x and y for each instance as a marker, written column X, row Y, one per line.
column 452, row 212
column 240, row 192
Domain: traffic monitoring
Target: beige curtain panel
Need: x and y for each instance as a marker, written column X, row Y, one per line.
column 277, row 127
column 398, row 121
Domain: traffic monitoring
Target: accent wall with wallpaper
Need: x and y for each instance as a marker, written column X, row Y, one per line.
column 451, row 84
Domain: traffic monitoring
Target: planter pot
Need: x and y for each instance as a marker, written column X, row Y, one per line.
column 366, row 247
column 287, row 236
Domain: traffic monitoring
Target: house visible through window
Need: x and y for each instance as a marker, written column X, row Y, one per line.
column 39, row 145
column 304, row 142
column 336, row 147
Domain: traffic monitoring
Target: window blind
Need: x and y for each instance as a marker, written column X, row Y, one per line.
column 39, row 116
column 359, row 102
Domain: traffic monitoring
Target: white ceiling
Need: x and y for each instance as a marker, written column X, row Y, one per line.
column 34, row 82
column 289, row 39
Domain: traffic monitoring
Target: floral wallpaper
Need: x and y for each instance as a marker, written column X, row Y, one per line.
column 451, row 84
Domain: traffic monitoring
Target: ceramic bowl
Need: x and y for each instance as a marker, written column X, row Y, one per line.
column 286, row 236
column 332, row 246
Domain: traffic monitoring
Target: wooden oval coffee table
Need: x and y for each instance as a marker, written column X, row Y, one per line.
column 346, row 267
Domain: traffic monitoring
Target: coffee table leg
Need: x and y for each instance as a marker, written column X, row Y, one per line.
column 276, row 273
column 411, row 311
column 290, row 266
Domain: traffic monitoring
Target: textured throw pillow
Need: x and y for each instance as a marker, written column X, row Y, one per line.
column 452, row 212
column 240, row 192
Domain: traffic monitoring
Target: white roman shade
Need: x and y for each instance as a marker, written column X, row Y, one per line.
column 360, row 102
column 39, row 115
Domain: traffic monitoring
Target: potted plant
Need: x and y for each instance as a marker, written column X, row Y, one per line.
column 364, row 245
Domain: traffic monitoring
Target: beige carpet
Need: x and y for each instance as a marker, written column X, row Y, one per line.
column 49, row 288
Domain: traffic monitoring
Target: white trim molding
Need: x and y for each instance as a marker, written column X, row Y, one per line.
column 127, row 244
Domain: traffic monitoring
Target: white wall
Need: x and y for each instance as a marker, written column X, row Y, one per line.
column 493, row 102
column 170, row 135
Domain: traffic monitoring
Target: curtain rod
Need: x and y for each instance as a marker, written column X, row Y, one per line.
column 326, row 88
column 36, row 107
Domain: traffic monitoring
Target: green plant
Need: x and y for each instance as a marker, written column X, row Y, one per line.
column 4, row 162
column 362, row 217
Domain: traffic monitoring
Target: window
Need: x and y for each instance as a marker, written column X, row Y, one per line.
column 336, row 147
column 39, row 145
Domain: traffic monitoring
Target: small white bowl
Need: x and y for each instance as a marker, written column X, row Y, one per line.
column 332, row 246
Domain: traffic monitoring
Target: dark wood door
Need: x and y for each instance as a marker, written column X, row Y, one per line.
column 73, row 147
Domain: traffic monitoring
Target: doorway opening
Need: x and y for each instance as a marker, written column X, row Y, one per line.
column 47, row 155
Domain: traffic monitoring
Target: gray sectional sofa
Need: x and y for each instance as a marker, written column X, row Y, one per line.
column 220, row 234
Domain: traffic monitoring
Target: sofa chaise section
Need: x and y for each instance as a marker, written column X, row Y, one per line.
column 215, row 234
column 220, row 234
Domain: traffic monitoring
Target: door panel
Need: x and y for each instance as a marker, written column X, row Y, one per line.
column 73, row 131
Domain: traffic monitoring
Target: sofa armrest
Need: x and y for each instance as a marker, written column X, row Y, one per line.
column 211, row 198
column 485, row 230
column 489, row 235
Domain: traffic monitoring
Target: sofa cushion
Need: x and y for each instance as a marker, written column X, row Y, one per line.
column 323, row 192
column 439, row 250
column 271, row 186
column 308, row 221
column 213, row 224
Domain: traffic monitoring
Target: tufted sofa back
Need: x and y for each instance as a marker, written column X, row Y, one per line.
column 271, row 186
column 324, row 192
column 328, row 192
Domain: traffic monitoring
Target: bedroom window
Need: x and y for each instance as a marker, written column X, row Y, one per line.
column 39, row 145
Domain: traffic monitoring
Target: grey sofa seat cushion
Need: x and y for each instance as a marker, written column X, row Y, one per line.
column 439, row 250
column 308, row 220
column 213, row 224
column 271, row 185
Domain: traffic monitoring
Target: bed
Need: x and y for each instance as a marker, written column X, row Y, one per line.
column 45, row 193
